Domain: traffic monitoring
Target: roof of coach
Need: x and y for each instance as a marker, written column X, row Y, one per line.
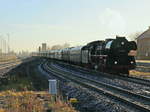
column 66, row 49
column 42, row 52
column 76, row 48
column 58, row 50
column 95, row 42
column 54, row 50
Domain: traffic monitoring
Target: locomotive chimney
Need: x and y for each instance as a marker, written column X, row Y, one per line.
column 117, row 36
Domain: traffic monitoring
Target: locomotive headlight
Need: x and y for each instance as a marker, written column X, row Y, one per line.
column 132, row 62
column 132, row 53
column 122, row 43
column 115, row 62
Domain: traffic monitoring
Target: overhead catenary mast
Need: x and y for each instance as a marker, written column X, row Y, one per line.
column 8, row 42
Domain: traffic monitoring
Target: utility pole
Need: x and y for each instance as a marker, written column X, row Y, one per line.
column 2, row 42
column 8, row 43
column 3, row 47
column 1, row 51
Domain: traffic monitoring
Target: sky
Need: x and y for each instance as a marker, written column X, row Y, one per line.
column 77, row 22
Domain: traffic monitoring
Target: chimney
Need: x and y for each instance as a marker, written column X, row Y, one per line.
column 44, row 47
column 39, row 49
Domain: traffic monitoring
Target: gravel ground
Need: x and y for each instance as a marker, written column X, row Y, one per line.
column 5, row 70
column 88, row 101
column 27, row 72
column 136, row 88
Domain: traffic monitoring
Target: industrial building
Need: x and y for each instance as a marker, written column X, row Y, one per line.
column 143, row 43
column 44, row 47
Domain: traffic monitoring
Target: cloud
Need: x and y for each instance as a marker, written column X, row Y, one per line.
column 113, row 22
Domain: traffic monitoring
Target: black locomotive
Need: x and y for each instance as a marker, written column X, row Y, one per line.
column 111, row 55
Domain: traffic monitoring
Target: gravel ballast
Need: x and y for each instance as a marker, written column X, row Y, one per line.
column 88, row 100
column 134, row 87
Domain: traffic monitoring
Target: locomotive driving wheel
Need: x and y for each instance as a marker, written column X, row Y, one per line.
column 124, row 72
column 95, row 67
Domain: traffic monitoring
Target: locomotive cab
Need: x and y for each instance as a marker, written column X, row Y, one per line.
column 96, row 54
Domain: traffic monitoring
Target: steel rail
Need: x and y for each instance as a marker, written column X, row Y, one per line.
column 4, row 66
column 7, row 62
column 143, row 67
column 125, row 78
column 119, row 93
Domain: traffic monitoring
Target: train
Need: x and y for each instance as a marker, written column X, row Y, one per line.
column 116, row 56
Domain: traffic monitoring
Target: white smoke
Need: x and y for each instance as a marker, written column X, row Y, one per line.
column 113, row 22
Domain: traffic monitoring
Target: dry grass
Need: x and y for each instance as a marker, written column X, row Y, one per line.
column 145, row 75
column 134, row 72
column 143, row 61
column 29, row 101
column 61, row 106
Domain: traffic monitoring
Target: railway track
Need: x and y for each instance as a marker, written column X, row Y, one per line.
column 143, row 66
column 9, row 64
column 143, row 69
column 9, row 61
column 139, row 102
column 93, row 72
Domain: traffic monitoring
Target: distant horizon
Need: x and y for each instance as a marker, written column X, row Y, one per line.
column 30, row 23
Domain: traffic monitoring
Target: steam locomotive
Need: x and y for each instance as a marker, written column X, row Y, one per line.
column 115, row 56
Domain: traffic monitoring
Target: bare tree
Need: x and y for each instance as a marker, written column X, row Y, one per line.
column 66, row 45
column 54, row 47
column 135, row 35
